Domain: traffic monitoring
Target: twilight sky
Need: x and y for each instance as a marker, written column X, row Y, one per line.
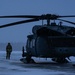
column 30, row 7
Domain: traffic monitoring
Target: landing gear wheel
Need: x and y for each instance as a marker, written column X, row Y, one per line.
column 28, row 58
column 61, row 60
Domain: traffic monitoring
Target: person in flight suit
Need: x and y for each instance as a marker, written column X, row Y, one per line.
column 8, row 50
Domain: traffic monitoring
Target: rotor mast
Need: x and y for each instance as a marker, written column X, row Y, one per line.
column 48, row 22
column 46, row 17
column 49, row 17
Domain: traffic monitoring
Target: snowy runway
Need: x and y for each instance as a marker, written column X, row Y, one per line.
column 43, row 67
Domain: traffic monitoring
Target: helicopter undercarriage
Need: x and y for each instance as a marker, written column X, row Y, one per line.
column 28, row 59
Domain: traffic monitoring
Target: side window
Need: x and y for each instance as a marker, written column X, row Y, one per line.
column 28, row 43
column 32, row 43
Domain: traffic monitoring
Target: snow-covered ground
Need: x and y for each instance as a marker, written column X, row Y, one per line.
column 43, row 67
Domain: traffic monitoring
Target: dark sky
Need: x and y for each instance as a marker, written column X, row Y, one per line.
column 30, row 7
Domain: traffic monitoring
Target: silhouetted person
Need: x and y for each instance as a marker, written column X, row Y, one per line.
column 23, row 51
column 8, row 50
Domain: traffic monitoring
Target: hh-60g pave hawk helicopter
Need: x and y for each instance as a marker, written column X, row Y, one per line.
column 52, row 40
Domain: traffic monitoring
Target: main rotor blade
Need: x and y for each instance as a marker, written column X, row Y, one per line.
column 41, row 17
column 19, row 22
column 66, row 16
column 67, row 21
column 20, row 16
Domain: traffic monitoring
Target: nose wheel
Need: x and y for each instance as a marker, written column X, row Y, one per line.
column 27, row 59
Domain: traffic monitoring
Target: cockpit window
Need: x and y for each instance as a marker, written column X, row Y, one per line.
column 71, row 32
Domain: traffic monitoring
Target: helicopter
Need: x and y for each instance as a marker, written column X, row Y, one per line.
column 51, row 40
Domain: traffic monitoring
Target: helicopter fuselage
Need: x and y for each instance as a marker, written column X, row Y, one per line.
column 51, row 46
column 49, row 43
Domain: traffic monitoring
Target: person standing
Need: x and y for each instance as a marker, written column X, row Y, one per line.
column 8, row 51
